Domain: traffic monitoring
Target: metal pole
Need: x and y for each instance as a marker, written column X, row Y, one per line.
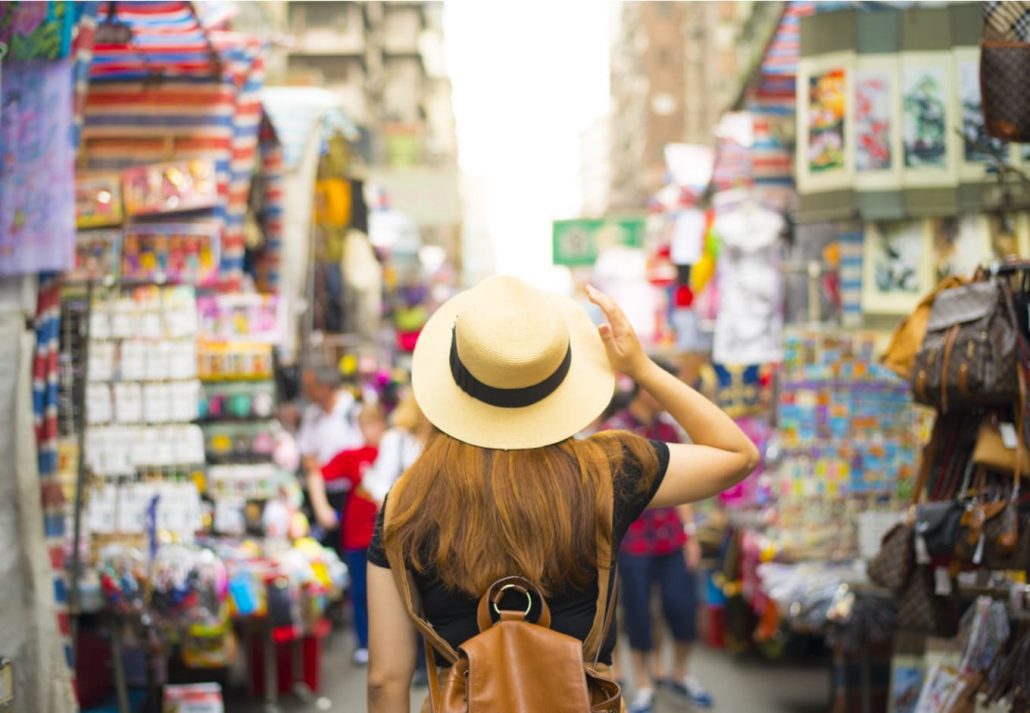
column 79, row 395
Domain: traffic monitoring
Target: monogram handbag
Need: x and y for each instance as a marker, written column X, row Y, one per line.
column 892, row 565
column 968, row 356
column 901, row 352
column 1005, row 88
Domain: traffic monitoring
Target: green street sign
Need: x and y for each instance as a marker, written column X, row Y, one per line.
column 576, row 243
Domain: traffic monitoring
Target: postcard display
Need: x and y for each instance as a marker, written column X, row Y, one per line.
column 849, row 437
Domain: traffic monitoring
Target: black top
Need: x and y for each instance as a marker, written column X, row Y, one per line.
column 453, row 614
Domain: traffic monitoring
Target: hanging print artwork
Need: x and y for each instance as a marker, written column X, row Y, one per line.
column 827, row 112
column 896, row 269
column 873, row 149
column 925, row 116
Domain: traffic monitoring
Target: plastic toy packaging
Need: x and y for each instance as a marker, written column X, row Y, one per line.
column 186, row 252
column 252, row 317
column 170, row 187
column 97, row 254
column 98, row 200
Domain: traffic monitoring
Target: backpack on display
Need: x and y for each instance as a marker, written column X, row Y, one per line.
column 515, row 665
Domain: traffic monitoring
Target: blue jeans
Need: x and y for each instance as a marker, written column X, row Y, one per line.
column 638, row 574
column 357, row 563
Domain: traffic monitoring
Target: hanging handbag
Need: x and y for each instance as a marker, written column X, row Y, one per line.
column 1004, row 73
column 922, row 610
column 892, row 565
column 901, row 352
column 938, row 526
column 968, row 356
column 994, row 455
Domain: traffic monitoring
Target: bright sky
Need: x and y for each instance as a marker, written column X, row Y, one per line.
column 528, row 77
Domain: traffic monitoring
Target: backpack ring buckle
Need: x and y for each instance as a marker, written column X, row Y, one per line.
column 517, row 588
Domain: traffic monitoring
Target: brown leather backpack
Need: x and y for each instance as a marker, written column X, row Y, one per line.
column 514, row 665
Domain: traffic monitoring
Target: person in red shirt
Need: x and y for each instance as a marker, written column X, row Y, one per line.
column 658, row 550
column 359, row 515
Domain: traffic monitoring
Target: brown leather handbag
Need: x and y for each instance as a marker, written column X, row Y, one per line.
column 969, row 354
column 901, row 352
column 514, row 665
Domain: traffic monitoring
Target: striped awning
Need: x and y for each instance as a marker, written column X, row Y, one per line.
column 168, row 40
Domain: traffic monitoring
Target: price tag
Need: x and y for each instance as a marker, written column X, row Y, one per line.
column 942, row 581
column 1008, row 435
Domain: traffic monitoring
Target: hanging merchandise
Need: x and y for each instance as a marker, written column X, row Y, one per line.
column 98, row 200
column 170, row 187
column 177, row 252
column 98, row 255
column 37, row 192
column 750, row 318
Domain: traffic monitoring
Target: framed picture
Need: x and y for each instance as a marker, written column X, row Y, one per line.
column 960, row 245
column 897, row 266
column 877, row 112
column 977, row 150
column 928, row 140
column 825, row 160
column 1008, row 235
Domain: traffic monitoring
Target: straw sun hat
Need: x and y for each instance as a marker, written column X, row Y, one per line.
column 504, row 365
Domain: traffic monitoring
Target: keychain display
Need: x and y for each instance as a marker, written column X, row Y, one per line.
column 176, row 252
column 170, row 187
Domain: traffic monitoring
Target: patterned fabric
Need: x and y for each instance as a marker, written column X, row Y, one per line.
column 44, row 406
column 1009, row 20
column 206, row 106
column 166, row 36
column 36, row 30
column 273, row 168
column 658, row 531
column 245, row 68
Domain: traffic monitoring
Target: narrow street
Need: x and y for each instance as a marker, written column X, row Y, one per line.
column 739, row 686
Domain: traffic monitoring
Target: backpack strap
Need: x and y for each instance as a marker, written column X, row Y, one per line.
column 413, row 603
column 607, row 594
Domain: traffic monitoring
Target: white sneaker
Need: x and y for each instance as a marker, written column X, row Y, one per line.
column 643, row 701
column 360, row 657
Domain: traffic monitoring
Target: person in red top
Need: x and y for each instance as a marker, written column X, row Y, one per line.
column 359, row 515
column 658, row 550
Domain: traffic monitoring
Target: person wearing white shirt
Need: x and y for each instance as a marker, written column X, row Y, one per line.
column 400, row 447
column 329, row 423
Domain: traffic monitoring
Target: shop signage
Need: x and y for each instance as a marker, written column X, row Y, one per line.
column 577, row 243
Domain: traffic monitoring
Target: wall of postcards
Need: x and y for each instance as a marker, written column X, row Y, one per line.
column 849, row 436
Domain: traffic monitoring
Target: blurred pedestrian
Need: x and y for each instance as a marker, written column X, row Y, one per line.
column 659, row 550
column 508, row 375
column 401, row 446
column 328, row 424
column 359, row 515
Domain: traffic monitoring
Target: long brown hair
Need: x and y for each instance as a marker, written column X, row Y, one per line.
column 472, row 515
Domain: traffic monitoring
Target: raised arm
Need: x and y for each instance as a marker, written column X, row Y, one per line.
column 720, row 455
